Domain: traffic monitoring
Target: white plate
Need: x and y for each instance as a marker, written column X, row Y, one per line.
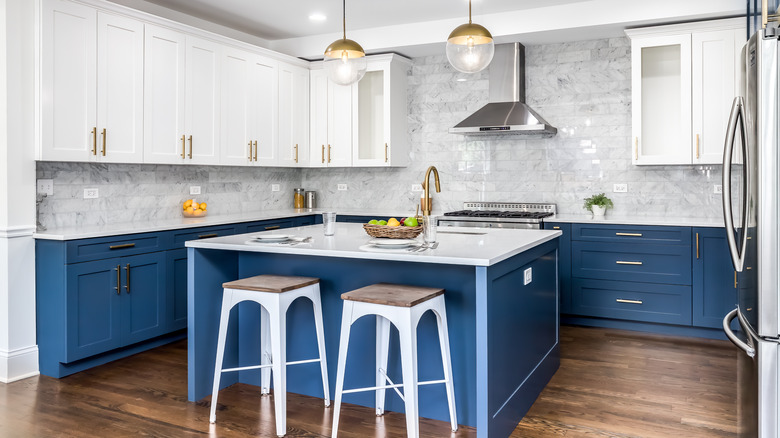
column 393, row 242
column 272, row 237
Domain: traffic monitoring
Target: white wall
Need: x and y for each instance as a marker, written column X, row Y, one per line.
column 18, row 351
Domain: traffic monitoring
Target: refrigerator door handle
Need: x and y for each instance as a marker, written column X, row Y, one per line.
column 736, row 121
column 751, row 352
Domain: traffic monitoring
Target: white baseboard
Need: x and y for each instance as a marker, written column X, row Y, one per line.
column 18, row 364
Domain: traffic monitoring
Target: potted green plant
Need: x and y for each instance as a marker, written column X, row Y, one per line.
column 598, row 204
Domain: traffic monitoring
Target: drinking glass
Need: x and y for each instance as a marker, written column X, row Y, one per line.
column 429, row 229
column 329, row 222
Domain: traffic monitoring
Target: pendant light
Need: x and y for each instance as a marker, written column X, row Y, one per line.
column 470, row 47
column 345, row 60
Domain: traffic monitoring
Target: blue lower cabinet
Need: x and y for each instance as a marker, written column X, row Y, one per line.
column 650, row 263
column 649, row 302
column 564, row 263
column 176, row 261
column 714, row 294
column 143, row 297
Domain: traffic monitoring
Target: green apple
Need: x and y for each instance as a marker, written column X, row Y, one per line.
column 373, row 222
column 411, row 222
column 383, row 222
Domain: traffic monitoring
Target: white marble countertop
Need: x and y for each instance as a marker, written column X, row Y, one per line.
column 474, row 247
column 637, row 220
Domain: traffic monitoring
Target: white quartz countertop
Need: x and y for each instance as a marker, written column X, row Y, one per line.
column 457, row 246
column 102, row 230
column 637, row 220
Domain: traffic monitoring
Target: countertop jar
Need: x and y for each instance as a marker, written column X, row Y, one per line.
column 298, row 198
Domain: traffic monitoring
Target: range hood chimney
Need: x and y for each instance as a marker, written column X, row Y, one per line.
column 506, row 112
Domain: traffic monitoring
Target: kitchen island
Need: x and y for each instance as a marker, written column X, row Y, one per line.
column 501, row 291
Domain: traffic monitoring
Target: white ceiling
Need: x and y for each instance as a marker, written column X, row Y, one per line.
column 420, row 27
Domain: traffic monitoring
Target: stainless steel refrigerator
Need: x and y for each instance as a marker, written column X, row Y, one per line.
column 751, row 186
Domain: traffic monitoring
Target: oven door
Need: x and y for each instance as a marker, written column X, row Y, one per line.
column 445, row 222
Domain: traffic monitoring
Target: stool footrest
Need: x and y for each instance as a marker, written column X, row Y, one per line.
column 397, row 385
column 256, row 367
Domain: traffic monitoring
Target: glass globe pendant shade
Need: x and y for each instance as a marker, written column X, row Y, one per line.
column 470, row 47
column 345, row 62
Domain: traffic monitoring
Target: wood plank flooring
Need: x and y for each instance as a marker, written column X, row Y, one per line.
column 611, row 383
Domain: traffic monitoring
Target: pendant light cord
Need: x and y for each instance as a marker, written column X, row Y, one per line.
column 469, row 12
column 344, row 17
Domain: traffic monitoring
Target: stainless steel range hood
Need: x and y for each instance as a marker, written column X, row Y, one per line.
column 507, row 112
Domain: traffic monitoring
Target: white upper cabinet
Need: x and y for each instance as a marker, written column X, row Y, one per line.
column 92, row 85
column 293, row 115
column 683, row 82
column 249, row 109
column 381, row 114
column 181, row 98
column 331, row 121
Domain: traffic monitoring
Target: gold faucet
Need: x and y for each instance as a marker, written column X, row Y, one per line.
column 427, row 204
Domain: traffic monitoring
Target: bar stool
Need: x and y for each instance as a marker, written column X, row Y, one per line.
column 403, row 306
column 274, row 293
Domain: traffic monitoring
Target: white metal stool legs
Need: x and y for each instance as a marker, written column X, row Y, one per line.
column 405, row 320
column 273, row 342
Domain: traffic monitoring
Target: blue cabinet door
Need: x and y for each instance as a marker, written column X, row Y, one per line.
column 564, row 263
column 714, row 294
column 93, row 308
column 143, row 297
column 176, row 311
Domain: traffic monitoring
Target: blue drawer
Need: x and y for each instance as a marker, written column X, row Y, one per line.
column 650, row 263
column 631, row 233
column 83, row 250
column 275, row 224
column 181, row 236
column 662, row 303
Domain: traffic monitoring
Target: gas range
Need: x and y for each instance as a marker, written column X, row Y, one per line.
column 498, row 215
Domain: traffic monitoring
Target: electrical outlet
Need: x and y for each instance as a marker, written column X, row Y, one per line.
column 194, row 190
column 45, row 187
column 342, row 187
column 274, row 187
column 620, row 188
column 527, row 276
column 717, row 189
column 91, row 193
column 417, row 188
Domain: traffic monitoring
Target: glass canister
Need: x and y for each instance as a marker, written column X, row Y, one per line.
column 298, row 198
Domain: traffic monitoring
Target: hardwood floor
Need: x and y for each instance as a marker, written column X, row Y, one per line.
column 611, row 383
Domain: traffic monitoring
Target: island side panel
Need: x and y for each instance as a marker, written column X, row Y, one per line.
column 517, row 336
column 339, row 275
column 207, row 270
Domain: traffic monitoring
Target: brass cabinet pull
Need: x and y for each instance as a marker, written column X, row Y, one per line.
column 206, row 236
column 621, row 300
column 735, row 279
column 127, row 278
column 255, row 150
column 296, row 152
column 697, row 145
column 621, row 262
column 629, row 234
column 385, row 152
column 697, row 246
column 104, row 141
column 273, row 227
column 94, row 141
column 118, row 279
column 190, row 140
column 122, row 246
column 328, row 153
column 250, row 151
column 556, row 228
column 323, row 154
column 636, row 148
column 183, row 148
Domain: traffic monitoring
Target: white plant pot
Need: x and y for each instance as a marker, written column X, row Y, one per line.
column 598, row 210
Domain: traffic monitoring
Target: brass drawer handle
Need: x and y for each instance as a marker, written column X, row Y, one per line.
column 273, row 227
column 621, row 300
column 296, row 152
column 697, row 246
column 118, row 279
column 122, row 246
column 206, row 236
column 255, row 150
column 629, row 234
column 621, row 262
column 190, row 140
column 556, row 228
column 104, row 141
column 183, row 147
column 250, row 152
column 127, row 278
column 94, row 141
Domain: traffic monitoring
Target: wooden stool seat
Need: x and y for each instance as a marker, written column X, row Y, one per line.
column 271, row 283
column 387, row 294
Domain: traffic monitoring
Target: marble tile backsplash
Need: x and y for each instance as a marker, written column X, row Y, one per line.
column 582, row 88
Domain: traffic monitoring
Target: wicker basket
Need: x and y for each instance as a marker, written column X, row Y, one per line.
column 399, row 232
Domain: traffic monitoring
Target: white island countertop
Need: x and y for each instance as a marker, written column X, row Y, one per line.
column 457, row 246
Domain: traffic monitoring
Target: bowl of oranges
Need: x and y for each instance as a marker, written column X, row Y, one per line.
column 191, row 208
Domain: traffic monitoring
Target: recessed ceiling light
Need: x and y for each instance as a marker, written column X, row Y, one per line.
column 317, row 17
